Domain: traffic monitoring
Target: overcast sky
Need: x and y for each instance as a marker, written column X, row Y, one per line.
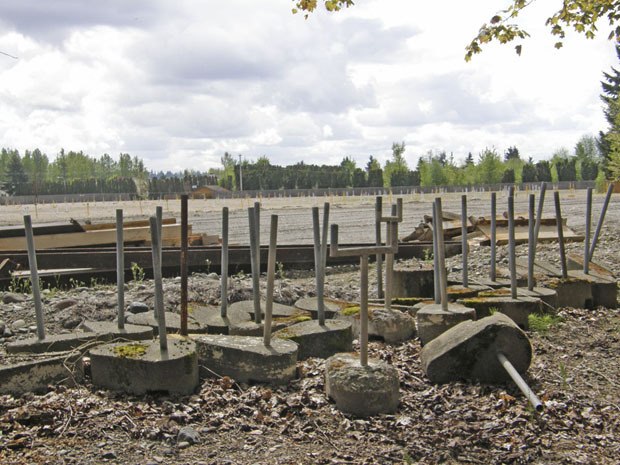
column 178, row 83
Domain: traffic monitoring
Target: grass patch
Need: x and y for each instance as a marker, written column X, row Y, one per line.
column 542, row 323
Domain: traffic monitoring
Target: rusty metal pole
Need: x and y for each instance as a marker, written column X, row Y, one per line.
column 464, row 239
column 34, row 277
column 224, row 270
column 586, row 251
column 184, row 240
column 493, row 273
column 511, row 245
column 601, row 218
column 443, row 275
column 120, row 269
column 271, row 273
column 558, row 220
column 159, row 290
column 531, row 245
column 379, row 257
column 255, row 265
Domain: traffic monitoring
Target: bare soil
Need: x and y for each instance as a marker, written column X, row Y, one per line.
column 575, row 371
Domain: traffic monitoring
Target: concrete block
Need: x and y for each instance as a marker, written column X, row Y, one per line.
column 518, row 309
column 432, row 320
column 572, row 291
column 246, row 359
column 458, row 291
column 548, row 296
column 173, row 323
column 278, row 310
column 604, row 289
column 250, row 328
column 210, row 317
column 393, row 326
column 361, row 391
column 319, row 341
column 141, row 367
column 36, row 375
column 413, row 283
column 469, row 351
column 311, row 305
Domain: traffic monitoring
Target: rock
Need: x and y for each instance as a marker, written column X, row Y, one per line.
column 18, row 324
column 12, row 298
column 71, row 322
column 392, row 326
column 138, row 307
column 7, row 332
column 189, row 435
column 213, row 276
column 109, row 455
column 2, row 327
column 65, row 303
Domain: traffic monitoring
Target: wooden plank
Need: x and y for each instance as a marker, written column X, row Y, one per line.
column 171, row 233
column 575, row 262
column 547, row 233
column 41, row 229
column 126, row 224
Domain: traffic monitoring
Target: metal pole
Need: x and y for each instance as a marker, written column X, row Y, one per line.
column 511, row 246
column 240, row 175
column 389, row 261
column 558, row 220
column 184, row 239
column 601, row 218
column 120, row 269
column 159, row 291
column 436, row 276
column 323, row 262
column 443, row 281
column 541, row 202
column 464, row 238
column 364, row 310
column 493, row 273
column 379, row 257
column 520, row 382
column 271, row 273
column 159, row 217
column 531, row 249
column 34, row 277
column 255, row 266
column 318, row 255
column 586, row 251
column 224, row 270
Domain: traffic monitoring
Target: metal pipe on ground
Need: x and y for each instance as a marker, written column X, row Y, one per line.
column 520, row 382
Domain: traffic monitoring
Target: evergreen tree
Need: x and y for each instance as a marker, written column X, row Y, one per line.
column 543, row 171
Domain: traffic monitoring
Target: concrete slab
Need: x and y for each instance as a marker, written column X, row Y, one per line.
column 518, row 309
column 91, row 333
column 246, row 359
column 458, row 291
column 250, row 328
column 361, row 391
column 393, row 326
column 413, row 283
column 432, row 320
column 311, row 305
column 278, row 310
column 173, row 323
column 468, row 351
column 141, row 367
column 604, row 289
column 36, row 375
column 548, row 296
column 498, row 283
column 210, row 317
column 319, row 341
column 572, row 292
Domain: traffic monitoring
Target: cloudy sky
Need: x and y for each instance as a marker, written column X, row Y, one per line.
column 178, row 83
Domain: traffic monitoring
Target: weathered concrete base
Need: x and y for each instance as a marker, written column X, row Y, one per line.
column 458, row 291
column 37, row 375
column 517, row 309
column 413, row 283
column 409, row 305
column 319, row 341
column 498, row 283
column 311, row 305
column 211, row 318
column 604, row 290
column 173, row 323
column 468, row 351
column 432, row 320
column 572, row 292
column 549, row 297
column 246, row 359
column 277, row 311
column 393, row 326
column 140, row 367
column 361, row 391
column 249, row 328
column 92, row 331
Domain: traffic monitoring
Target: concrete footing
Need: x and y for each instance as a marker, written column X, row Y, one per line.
column 413, row 283
column 247, row 359
column 518, row 309
column 432, row 320
column 498, row 283
column 572, row 292
column 250, row 328
column 319, row 341
column 311, row 305
column 173, row 322
column 93, row 331
column 469, row 351
column 141, row 367
column 211, row 318
column 278, row 310
column 458, row 291
column 361, row 391
column 548, row 296
column 393, row 326
column 37, row 375
column 604, row 290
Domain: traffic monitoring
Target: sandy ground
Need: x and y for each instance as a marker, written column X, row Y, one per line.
column 354, row 215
